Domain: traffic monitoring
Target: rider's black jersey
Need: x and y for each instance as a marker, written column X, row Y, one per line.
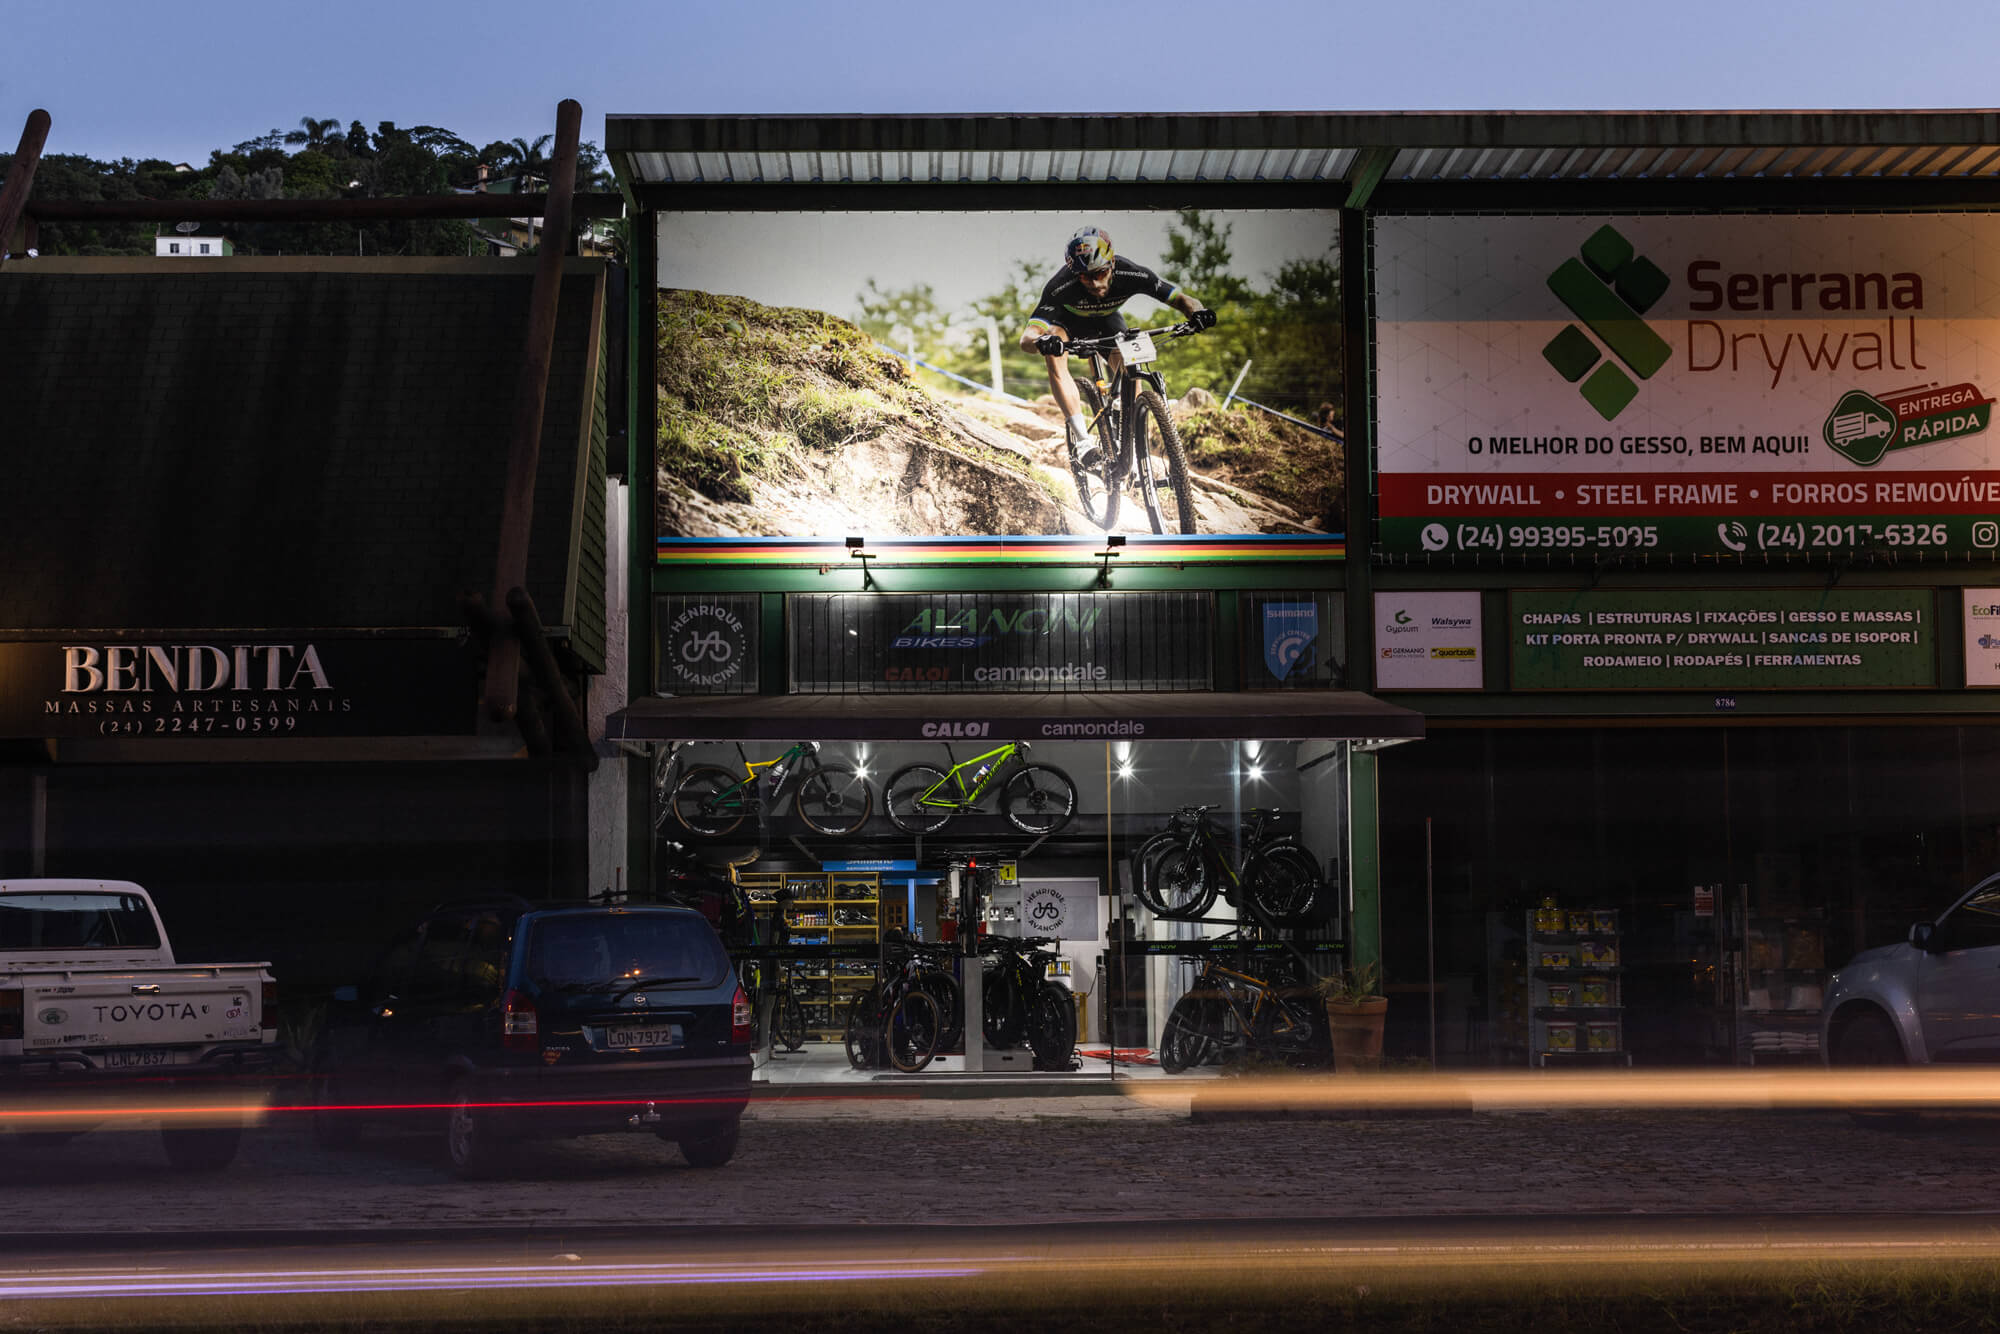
column 1066, row 304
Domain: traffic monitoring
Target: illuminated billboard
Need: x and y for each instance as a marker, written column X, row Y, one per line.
column 1735, row 387
column 825, row 375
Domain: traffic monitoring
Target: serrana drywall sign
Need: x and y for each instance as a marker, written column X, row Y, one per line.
column 1723, row 386
column 1738, row 639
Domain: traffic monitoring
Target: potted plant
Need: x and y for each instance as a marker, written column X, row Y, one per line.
column 1356, row 1010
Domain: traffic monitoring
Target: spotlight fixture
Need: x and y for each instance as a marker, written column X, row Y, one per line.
column 1114, row 545
column 855, row 552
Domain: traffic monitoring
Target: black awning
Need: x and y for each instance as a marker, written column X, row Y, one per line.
column 1343, row 715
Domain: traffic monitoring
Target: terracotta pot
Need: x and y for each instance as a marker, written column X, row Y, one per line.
column 1356, row 1028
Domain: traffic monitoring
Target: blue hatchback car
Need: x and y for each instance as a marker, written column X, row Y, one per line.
column 497, row 1021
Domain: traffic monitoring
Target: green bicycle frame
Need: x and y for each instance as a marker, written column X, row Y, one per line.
column 742, row 795
column 968, row 797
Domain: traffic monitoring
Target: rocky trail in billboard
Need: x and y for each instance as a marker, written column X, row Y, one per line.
column 779, row 421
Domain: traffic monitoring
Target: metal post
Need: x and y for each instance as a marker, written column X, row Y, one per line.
column 1236, row 384
column 14, row 195
column 1430, row 944
column 993, row 357
column 517, row 506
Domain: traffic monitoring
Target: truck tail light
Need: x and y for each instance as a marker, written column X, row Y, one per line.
column 11, row 1012
column 270, row 1010
column 520, row 1026
column 742, row 1021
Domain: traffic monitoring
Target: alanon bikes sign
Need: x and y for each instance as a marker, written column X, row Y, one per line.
column 867, row 643
column 707, row 645
column 878, row 374
column 1734, row 387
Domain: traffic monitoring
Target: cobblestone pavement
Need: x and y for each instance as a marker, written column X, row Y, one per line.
column 1023, row 1160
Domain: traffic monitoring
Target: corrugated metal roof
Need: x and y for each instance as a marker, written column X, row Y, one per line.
column 653, row 151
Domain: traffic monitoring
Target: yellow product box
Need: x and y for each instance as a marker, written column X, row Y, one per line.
column 1562, row 1035
column 1579, row 920
column 1600, row 1036
column 1594, row 991
column 1599, row 953
column 1559, row 993
column 1604, row 921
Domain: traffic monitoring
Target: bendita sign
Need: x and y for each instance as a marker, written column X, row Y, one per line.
column 1778, row 387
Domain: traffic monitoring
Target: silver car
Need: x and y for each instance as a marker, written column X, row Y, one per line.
column 1933, row 999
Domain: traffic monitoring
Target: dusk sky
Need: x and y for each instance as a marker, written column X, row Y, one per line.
column 128, row 79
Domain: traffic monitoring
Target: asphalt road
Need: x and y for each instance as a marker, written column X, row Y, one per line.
column 1027, row 1161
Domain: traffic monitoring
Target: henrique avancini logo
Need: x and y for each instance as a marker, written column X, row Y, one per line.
column 1609, row 289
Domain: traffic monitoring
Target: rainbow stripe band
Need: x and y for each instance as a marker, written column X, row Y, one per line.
column 1284, row 548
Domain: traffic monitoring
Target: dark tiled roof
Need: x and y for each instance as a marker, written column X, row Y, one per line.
column 261, row 445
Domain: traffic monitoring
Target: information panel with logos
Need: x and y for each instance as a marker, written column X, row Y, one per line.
column 1717, row 639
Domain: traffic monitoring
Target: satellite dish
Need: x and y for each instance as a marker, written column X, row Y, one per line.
column 187, row 228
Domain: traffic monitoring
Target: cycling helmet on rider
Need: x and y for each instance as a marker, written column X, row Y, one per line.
column 1089, row 251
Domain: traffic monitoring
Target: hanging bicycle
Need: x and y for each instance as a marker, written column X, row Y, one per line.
column 1179, row 872
column 831, row 798
column 1036, row 798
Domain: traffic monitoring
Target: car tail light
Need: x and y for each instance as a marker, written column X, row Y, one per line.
column 742, row 1021
column 270, row 1011
column 11, row 1011
column 520, row 1026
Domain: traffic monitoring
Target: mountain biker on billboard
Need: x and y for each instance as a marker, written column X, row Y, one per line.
column 1082, row 301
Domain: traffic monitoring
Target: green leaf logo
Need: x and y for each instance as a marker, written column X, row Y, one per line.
column 1608, row 288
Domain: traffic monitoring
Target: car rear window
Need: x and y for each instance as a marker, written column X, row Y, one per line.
column 621, row 948
column 76, row 922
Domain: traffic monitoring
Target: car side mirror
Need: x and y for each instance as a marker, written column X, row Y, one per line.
column 1922, row 934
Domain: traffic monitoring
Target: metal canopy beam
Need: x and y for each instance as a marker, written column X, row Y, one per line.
column 1295, row 715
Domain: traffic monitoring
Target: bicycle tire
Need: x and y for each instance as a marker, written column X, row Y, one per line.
column 1146, row 866
column 834, row 800
column 1185, row 1041
column 1285, row 885
column 790, row 1022
column 694, row 801
column 1090, row 496
column 943, row 988
column 1003, row 1017
column 911, row 1031
column 1182, row 885
column 864, row 1030
column 1052, row 1027
column 1039, row 799
column 899, row 799
column 1171, row 511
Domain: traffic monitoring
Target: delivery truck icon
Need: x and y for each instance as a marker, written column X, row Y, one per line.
column 1860, row 428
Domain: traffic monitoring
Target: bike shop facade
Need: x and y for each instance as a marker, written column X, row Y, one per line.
column 862, row 545
column 1576, row 391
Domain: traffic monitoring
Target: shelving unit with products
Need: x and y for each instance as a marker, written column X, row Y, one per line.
column 826, row 909
column 1778, row 979
column 1575, row 1008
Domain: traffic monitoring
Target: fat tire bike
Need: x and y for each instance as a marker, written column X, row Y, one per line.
column 909, row 1015
column 788, row 1012
column 1230, row 1012
column 1140, row 448
column 1035, row 798
column 1021, row 1006
column 1178, row 872
column 831, row 798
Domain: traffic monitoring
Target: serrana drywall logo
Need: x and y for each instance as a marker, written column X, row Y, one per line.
column 1609, row 289
column 1864, row 427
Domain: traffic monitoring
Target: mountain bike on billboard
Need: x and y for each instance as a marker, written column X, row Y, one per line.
column 1139, row 448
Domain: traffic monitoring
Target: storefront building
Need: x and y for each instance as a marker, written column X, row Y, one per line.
column 1644, row 456
column 244, row 505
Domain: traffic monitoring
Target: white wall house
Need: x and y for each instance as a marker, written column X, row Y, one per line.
column 196, row 246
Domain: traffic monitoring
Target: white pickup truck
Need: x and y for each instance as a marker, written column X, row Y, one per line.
column 98, row 1021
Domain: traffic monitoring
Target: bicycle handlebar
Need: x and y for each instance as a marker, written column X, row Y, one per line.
column 1105, row 342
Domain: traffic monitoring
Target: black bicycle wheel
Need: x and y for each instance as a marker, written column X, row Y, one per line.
column 1146, row 869
column 943, row 988
column 912, row 1032
column 834, row 799
column 790, row 1022
column 900, row 796
column 1293, row 1029
column 1052, row 1027
column 1003, row 1009
column 1156, row 447
column 1185, row 1041
column 1181, row 885
column 1285, row 885
column 1090, row 493
column 864, row 1030
column 705, row 803
column 1038, row 800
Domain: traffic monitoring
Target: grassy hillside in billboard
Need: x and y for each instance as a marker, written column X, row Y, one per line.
column 778, row 421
